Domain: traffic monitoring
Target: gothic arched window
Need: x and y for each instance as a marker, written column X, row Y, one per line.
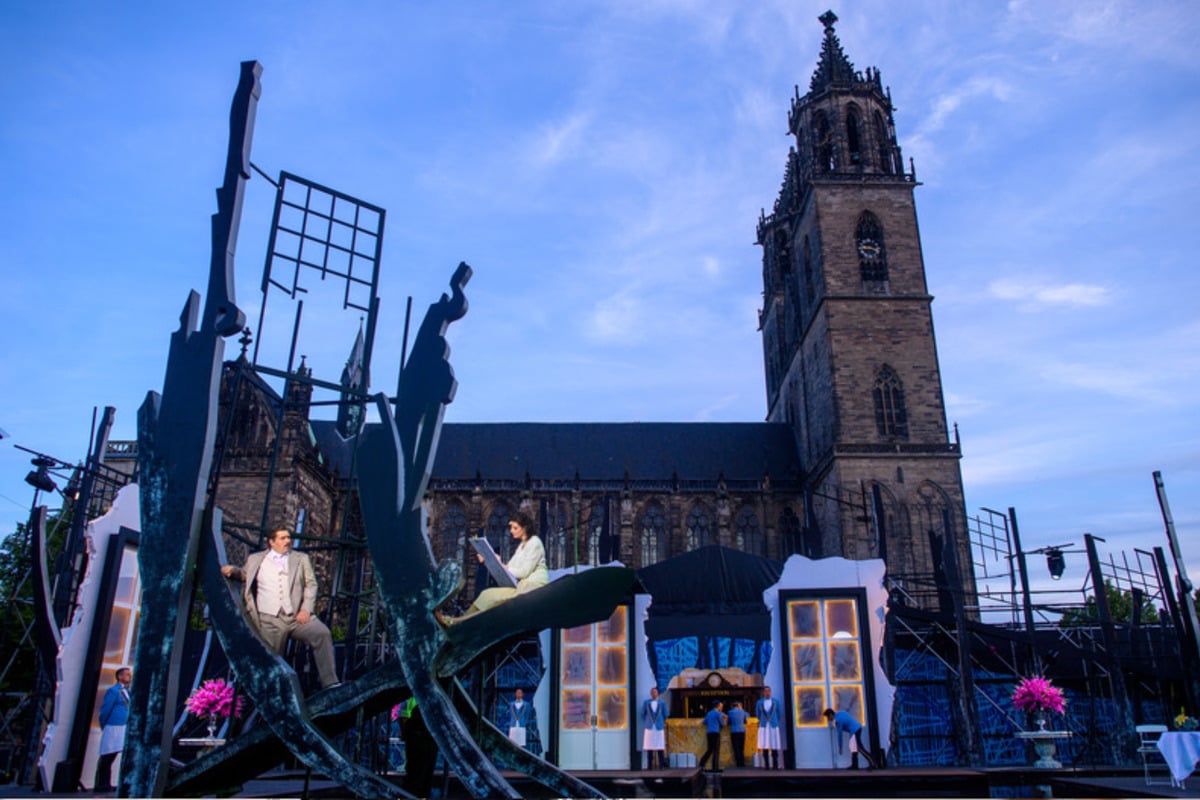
column 822, row 143
column 749, row 534
column 595, row 530
column 853, row 136
column 559, row 533
column 809, row 283
column 789, row 532
column 653, row 530
column 872, row 257
column 497, row 530
column 454, row 532
column 699, row 528
column 884, row 143
column 891, row 415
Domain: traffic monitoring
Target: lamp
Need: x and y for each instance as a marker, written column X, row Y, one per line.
column 1055, row 562
column 40, row 478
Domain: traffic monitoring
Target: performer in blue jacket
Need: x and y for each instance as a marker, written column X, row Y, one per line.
column 713, row 721
column 844, row 723
column 770, row 741
column 737, row 732
column 114, row 713
column 654, row 737
column 520, row 717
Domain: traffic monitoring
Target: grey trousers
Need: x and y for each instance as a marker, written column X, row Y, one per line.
column 277, row 630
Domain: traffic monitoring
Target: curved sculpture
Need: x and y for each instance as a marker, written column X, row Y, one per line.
column 400, row 451
column 176, row 434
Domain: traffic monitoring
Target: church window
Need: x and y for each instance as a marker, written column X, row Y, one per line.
column 789, row 532
column 595, row 532
column 773, row 356
column 883, row 141
column 822, row 143
column 560, row 534
column 497, row 530
column 749, row 534
column 454, row 532
column 853, row 138
column 653, row 529
column 783, row 259
column 699, row 528
column 809, row 292
column 891, row 416
column 872, row 258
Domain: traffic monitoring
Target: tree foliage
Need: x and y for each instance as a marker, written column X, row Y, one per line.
column 1120, row 607
column 18, row 664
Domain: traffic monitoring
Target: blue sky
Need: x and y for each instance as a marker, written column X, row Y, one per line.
column 602, row 167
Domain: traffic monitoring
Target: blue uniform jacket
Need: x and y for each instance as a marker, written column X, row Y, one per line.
column 654, row 719
column 765, row 719
column 713, row 721
column 520, row 717
column 114, row 710
column 737, row 720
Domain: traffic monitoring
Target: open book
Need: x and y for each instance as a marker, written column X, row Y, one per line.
column 494, row 565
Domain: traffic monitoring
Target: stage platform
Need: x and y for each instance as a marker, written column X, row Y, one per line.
column 751, row 782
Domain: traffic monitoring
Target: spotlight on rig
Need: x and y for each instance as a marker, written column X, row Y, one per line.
column 40, row 478
column 1055, row 562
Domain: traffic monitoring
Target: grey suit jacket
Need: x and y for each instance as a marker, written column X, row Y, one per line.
column 302, row 582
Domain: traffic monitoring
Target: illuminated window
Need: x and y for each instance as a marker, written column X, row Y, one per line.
column 594, row 674
column 826, row 665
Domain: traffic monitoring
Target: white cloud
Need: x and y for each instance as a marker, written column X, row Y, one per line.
column 1032, row 296
column 616, row 319
column 988, row 88
column 1133, row 383
column 559, row 141
column 962, row 406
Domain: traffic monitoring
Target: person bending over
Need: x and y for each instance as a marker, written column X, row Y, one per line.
column 844, row 722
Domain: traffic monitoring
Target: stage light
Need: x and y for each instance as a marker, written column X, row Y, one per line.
column 40, row 478
column 1055, row 562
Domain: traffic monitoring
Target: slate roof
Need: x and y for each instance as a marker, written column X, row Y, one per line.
column 601, row 450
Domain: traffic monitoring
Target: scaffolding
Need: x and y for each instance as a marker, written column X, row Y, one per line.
column 1115, row 644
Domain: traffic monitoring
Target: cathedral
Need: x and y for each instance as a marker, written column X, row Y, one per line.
column 853, row 458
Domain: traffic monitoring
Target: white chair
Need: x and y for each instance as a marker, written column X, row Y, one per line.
column 1150, row 754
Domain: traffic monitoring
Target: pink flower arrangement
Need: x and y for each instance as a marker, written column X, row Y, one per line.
column 214, row 698
column 1039, row 694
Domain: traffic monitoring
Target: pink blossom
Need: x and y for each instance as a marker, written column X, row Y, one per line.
column 1038, row 694
column 214, row 697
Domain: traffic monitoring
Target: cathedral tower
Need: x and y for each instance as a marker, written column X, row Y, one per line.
column 850, row 358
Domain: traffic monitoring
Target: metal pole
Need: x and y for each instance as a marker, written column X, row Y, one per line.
column 1187, row 604
column 1026, row 602
column 1123, row 729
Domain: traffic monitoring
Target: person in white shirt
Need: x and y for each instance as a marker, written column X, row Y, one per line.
column 520, row 717
column 654, row 740
column 770, row 742
column 280, row 590
column 114, row 715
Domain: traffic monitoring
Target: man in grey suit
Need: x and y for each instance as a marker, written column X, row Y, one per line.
column 280, row 590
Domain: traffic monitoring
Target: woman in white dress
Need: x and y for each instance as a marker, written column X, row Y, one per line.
column 527, row 565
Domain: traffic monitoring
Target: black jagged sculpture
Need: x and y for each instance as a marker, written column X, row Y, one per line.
column 176, row 433
column 181, row 538
column 400, row 452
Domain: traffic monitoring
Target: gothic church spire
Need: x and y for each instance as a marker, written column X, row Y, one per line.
column 833, row 67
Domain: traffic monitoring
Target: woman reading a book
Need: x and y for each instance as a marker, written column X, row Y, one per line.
column 527, row 565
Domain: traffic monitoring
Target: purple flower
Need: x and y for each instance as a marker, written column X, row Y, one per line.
column 1039, row 694
column 214, row 698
